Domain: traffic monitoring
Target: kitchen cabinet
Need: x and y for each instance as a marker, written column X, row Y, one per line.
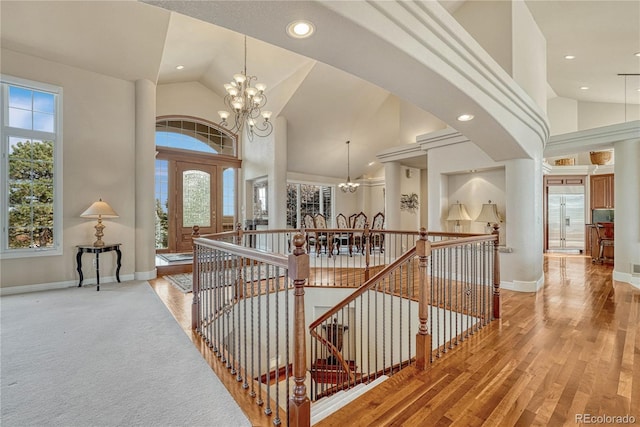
column 602, row 196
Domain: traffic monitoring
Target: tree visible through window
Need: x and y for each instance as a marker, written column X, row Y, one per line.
column 30, row 117
column 309, row 199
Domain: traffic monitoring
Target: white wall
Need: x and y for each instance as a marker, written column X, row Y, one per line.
column 476, row 188
column 563, row 115
column 493, row 31
column 189, row 99
column 410, row 183
column 596, row 114
column 98, row 161
column 529, row 54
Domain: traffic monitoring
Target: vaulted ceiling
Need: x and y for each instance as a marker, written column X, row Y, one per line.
column 324, row 106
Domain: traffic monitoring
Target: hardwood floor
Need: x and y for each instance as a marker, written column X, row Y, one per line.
column 572, row 348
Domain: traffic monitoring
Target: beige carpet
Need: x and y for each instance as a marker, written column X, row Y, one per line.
column 77, row 357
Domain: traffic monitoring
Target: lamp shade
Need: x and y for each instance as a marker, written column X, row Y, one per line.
column 99, row 209
column 458, row 212
column 489, row 214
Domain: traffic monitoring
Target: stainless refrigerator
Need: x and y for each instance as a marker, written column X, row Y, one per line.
column 565, row 219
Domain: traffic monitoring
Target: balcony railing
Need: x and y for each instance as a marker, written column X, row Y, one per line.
column 416, row 296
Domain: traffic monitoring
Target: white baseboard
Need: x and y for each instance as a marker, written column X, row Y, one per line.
column 146, row 275
column 523, row 286
column 12, row 290
column 627, row 278
column 23, row 289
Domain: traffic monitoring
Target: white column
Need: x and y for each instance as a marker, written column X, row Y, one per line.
column 392, row 172
column 144, row 180
column 278, row 178
column 627, row 214
column 523, row 267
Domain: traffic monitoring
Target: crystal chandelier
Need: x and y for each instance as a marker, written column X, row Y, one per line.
column 348, row 186
column 246, row 102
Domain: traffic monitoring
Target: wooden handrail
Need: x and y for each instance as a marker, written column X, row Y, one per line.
column 464, row 240
column 242, row 251
column 337, row 353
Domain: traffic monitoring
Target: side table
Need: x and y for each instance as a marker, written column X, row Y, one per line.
column 108, row 247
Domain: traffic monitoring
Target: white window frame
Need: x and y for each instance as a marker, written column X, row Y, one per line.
column 56, row 136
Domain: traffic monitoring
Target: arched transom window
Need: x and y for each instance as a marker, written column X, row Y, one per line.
column 188, row 134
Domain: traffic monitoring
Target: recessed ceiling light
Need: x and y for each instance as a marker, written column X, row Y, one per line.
column 637, row 54
column 569, row 57
column 179, row 67
column 465, row 117
column 638, row 89
column 373, row 163
column 584, row 87
column 300, row 29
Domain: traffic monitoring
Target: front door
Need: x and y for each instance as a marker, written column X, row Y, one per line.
column 196, row 201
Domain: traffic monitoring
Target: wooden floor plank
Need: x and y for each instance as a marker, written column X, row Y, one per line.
column 569, row 349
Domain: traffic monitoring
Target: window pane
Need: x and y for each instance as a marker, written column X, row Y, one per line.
column 196, row 198
column 20, row 97
column 30, row 193
column 181, row 141
column 20, row 237
column 44, row 102
column 309, row 199
column 292, row 206
column 29, row 176
column 228, row 192
column 200, row 137
column 43, row 122
column 20, row 118
column 162, row 204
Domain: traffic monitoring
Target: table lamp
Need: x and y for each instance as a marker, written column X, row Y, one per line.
column 457, row 213
column 99, row 210
column 489, row 215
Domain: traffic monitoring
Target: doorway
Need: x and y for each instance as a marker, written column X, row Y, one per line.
column 195, row 182
column 565, row 215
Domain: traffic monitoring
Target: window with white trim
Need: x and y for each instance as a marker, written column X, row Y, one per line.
column 308, row 199
column 31, row 172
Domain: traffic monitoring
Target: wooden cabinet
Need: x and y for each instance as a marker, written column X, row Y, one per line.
column 602, row 196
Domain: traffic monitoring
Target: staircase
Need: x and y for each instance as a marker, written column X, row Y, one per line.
column 327, row 406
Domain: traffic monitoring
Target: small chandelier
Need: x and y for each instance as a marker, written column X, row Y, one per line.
column 246, row 102
column 348, row 186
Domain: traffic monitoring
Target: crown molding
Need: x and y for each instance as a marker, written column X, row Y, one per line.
column 592, row 139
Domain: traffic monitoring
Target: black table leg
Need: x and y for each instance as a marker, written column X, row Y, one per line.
column 98, row 271
column 118, row 259
column 79, row 262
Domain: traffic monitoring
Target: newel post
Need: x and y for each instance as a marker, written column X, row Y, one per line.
column 496, row 272
column 423, row 339
column 195, row 279
column 299, row 403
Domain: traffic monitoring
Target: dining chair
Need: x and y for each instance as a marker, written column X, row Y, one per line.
column 357, row 237
column 322, row 238
column 310, row 236
column 377, row 237
column 342, row 238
